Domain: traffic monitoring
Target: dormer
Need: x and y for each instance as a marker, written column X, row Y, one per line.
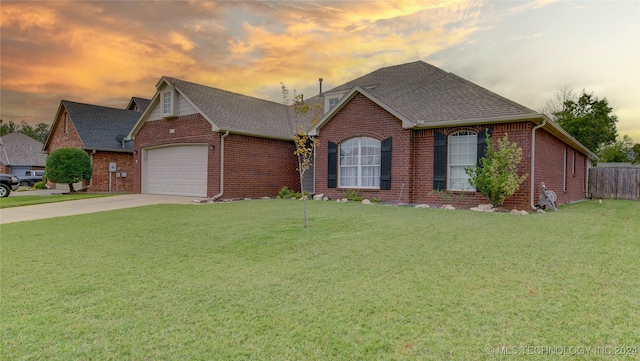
column 331, row 99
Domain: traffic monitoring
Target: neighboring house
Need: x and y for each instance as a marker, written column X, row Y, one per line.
column 99, row 131
column 406, row 133
column 402, row 133
column 20, row 153
column 200, row 141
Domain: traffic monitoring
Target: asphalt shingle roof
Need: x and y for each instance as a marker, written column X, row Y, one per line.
column 20, row 149
column 237, row 112
column 98, row 126
column 426, row 94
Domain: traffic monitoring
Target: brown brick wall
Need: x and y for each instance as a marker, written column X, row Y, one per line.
column 567, row 181
column 101, row 174
column 258, row 167
column 423, row 166
column 254, row 167
column 363, row 118
column 412, row 158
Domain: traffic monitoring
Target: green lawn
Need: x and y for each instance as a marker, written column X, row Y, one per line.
column 19, row 201
column 245, row 281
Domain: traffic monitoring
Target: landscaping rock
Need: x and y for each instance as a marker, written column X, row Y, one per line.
column 421, row 206
column 325, row 198
column 483, row 208
column 540, row 210
column 366, row 201
column 520, row 213
column 318, row 197
column 448, row 206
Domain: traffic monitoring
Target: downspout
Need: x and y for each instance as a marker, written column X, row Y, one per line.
column 533, row 160
column 221, row 167
column 91, row 156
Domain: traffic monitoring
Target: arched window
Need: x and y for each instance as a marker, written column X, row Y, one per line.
column 463, row 153
column 359, row 163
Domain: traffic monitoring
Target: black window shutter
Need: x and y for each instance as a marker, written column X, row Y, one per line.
column 385, row 164
column 482, row 144
column 439, row 161
column 332, row 165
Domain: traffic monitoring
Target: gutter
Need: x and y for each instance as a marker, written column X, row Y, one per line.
column 91, row 180
column 221, row 167
column 533, row 160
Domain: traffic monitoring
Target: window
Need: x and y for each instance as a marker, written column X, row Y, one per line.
column 359, row 163
column 167, row 104
column 463, row 153
column 333, row 102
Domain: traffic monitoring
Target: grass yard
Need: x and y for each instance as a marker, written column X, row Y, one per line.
column 245, row 281
column 19, row 201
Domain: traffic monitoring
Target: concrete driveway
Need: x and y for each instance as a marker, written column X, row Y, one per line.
column 91, row 205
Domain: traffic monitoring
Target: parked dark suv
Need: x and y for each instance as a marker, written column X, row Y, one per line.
column 8, row 183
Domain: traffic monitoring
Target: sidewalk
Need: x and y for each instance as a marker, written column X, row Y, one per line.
column 81, row 206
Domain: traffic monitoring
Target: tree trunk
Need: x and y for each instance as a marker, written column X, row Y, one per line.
column 71, row 189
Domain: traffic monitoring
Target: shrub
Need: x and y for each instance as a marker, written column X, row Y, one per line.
column 496, row 178
column 68, row 165
column 284, row 193
column 352, row 195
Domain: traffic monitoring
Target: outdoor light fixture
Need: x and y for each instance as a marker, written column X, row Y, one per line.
column 212, row 146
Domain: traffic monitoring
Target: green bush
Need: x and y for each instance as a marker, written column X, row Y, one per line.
column 352, row 195
column 497, row 176
column 68, row 165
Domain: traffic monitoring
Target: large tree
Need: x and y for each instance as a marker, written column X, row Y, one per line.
column 68, row 165
column 589, row 120
column 619, row 151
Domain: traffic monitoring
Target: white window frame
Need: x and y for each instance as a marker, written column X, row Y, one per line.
column 359, row 166
column 465, row 145
column 333, row 102
column 168, row 102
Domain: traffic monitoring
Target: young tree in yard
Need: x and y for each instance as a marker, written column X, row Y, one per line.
column 589, row 120
column 68, row 165
column 496, row 177
column 305, row 117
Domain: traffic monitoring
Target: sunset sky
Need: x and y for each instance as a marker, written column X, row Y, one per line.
column 105, row 52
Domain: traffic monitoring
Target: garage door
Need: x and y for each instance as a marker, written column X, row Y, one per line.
column 176, row 170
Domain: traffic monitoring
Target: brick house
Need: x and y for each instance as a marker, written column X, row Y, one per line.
column 94, row 129
column 401, row 133
column 405, row 133
column 199, row 141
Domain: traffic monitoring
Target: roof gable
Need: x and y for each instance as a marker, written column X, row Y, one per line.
column 98, row 126
column 227, row 110
column 423, row 94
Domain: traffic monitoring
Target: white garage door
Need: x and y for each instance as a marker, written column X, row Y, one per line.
column 176, row 170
